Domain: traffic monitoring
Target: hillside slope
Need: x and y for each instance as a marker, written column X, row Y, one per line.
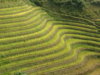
column 80, row 8
column 34, row 42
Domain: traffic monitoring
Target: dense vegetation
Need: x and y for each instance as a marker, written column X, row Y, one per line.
column 79, row 8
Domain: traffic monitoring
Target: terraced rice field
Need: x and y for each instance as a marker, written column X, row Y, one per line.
column 34, row 43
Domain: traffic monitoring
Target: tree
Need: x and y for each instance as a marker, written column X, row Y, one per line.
column 77, row 4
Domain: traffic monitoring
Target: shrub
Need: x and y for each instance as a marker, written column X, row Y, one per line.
column 20, row 73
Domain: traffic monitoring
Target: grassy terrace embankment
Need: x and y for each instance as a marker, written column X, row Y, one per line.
column 34, row 43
